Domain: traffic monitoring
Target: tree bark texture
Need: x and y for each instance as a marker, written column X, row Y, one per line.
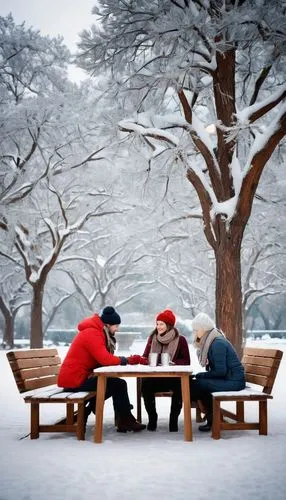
column 36, row 339
column 8, row 335
column 229, row 317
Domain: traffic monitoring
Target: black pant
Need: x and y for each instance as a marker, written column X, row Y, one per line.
column 152, row 385
column 115, row 388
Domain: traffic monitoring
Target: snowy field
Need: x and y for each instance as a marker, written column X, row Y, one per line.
column 242, row 465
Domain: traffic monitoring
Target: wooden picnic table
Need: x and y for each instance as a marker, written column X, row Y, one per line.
column 143, row 371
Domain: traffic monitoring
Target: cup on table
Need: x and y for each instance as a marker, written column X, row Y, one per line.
column 165, row 359
column 152, row 359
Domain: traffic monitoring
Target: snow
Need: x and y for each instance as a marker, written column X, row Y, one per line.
column 245, row 114
column 151, row 131
column 145, row 368
column 261, row 139
column 145, row 465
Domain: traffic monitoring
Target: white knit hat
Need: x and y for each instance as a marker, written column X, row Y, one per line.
column 202, row 320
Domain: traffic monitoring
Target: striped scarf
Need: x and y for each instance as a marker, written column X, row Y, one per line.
column 110, row 340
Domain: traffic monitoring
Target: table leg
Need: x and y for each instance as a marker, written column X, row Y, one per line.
column 185, row 384
column 100, row 395
column 139, row 393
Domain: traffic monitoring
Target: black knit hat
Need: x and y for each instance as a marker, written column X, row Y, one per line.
column 109, row 316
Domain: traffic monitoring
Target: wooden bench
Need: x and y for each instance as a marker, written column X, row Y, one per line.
column 261, row 367
column 35, row 373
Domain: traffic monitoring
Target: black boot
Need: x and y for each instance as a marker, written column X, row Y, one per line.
column 173, row 422
column 152, row 424
column 176, row 407
column 150, row 406
column 129, row 423
column 206, row 427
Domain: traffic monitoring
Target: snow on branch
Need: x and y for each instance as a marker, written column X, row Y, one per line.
column 259, row 109
column 156, row 133
column 262, row 139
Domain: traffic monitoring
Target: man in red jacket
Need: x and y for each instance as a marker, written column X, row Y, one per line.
column 92, row 347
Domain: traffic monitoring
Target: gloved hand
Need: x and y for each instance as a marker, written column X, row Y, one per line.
column 143, row 361
column 134, row 359
column 123, row 360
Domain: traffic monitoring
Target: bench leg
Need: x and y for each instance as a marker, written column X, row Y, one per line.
column 35, row 420
column 80, row 426
column 70, row 413
column 240, row 411
column 263, row 417
column 216, row 419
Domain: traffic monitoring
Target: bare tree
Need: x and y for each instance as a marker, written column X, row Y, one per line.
column 13, row 296
column 40, row 251
column 215, row 69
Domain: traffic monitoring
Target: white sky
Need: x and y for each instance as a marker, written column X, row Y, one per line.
column 53, row 17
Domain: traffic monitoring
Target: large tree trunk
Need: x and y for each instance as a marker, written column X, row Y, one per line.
column 229, row 308
column 36, row 337
column 8, row 336
column 9, row 331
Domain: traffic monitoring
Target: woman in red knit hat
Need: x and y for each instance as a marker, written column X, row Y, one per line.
column 165, row 339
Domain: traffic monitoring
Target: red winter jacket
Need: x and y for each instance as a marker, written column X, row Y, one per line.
column 87, row 351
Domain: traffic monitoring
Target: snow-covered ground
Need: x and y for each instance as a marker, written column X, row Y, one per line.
column 242, row 465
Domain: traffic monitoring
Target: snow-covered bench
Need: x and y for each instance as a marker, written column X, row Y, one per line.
column 35, row 373
column 261, row 367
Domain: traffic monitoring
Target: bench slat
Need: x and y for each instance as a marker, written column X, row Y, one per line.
column 258, row 370
column 268, row 353
column 44, row 392
column 63, row 397
column 28, row 385
column 34, row 363
column 31, row 353
column 260, row 361
column 32, row 373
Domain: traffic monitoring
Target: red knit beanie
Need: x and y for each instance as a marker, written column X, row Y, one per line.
column 167, row 317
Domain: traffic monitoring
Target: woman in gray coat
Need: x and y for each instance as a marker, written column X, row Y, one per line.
column 224, row 371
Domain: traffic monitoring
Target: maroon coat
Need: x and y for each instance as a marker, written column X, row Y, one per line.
column 182, row 354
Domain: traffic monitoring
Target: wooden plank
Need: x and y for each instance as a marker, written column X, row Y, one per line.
column 244, row 397
column 229, row 414
column 185, row 386
column 138, row 399
column 31, row 353
column 239, row 426
column 35, row 420
column 34, row 362
column 256, row 379
column 36, row 372
column 258, row 369
column 101, row 384
column 259, row 361
column 38, row 382
column 61, row 397
column 80, row 428
column 58, row 428
column 43, row 394
column 269, row 353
